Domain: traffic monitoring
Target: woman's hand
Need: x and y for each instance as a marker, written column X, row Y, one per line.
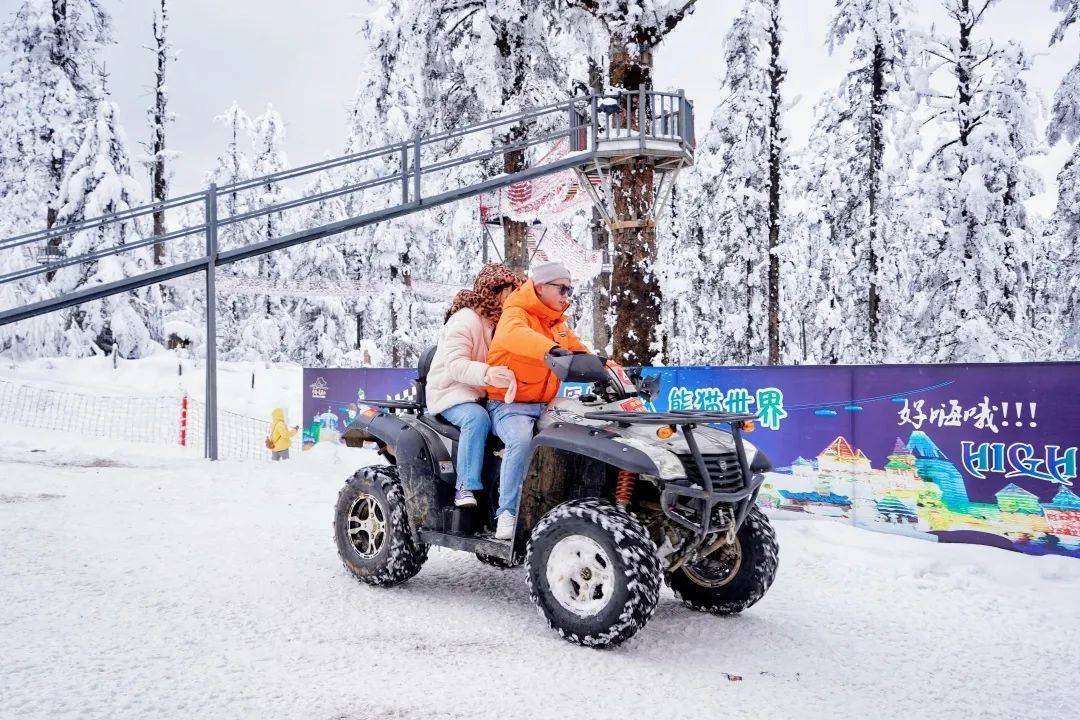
column 499, row 376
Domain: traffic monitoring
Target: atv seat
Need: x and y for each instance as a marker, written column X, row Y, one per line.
column 432, row 420
column 441, row 426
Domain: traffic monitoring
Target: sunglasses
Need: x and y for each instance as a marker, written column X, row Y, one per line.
column 564, row 290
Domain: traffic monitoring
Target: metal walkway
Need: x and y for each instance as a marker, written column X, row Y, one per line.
column 401, row 178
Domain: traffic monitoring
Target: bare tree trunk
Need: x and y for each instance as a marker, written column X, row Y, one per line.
column 776, row 77
column 600, row 241
column 59, row 160
column 635, row 291
column 515, row 232
column 159, row 117
column 877, row 153
column 601, row 285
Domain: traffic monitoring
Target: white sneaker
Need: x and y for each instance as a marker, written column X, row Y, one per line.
column 504, row 526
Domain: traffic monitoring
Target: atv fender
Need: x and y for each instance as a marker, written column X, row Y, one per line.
column 598, row 443
column 420, row 455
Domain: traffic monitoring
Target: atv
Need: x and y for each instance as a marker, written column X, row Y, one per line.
column 616, row 499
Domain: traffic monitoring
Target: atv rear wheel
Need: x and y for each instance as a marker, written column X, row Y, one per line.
column 732, row 577
column 593, row 572
column 371, row 528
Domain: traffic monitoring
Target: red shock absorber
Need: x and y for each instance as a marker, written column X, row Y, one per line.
column 624, row 487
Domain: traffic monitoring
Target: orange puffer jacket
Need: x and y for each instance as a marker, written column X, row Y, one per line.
column 527, row 330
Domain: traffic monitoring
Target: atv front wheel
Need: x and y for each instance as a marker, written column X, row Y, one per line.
column 371, row 528
column 732, row 577
column 593, row 572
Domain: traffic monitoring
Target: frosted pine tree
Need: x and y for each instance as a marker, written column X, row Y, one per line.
column 729, row 203
column 973, row 190
column 386, row 109
column 234, row 166
column 47, row 93
column 271, row 328
column 99, row 182
column 875, row 30
column 159, row 117
column 51, row 49
column 825, row 274
column 324, row 326
column 1063, row 264
column 633, row 29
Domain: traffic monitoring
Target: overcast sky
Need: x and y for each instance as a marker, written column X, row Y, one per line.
column 304, row 57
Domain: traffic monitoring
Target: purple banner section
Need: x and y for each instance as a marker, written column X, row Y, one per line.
column 975, row 453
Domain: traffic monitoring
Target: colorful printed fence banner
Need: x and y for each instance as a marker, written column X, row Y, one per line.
column 982, row 454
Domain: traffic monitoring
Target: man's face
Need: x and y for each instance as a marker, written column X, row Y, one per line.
column 555, row 294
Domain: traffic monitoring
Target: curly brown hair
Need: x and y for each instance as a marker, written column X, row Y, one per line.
column 484, row 295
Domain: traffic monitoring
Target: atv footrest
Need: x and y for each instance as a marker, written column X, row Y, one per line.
column 501, row 549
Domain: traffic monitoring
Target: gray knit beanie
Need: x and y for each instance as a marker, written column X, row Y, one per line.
column 548, row 271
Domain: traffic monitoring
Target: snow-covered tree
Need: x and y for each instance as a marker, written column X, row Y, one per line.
column 487, row 58
column 974, row 188
column 876, row 31
column 633, row 29
column 387, row 108
column 160, row 116
column 729, row 207
column 233, row 166
column 1064, row 244
column 99, row 182
column 324, row 326
column 270, row 328
column 47, row 93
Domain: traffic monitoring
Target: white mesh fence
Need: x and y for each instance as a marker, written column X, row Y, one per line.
column 162, row 420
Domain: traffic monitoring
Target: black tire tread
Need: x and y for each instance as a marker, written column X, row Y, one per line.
column 405, row 556
column 636, row 553
column 761, row 559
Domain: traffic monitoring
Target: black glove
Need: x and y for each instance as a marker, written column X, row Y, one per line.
column 559, row 352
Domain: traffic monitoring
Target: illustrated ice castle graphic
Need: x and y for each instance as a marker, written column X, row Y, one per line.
column 934, row 466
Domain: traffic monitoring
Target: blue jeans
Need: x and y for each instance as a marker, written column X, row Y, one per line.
column 475, row 425
column 513, row 423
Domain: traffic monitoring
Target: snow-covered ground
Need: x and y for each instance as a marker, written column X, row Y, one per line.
column 138, row 582
column 245, row 388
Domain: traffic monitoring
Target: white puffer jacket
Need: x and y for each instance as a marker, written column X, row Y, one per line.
column 457, row 371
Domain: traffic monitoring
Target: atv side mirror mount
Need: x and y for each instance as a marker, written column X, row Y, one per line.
column 579, row 367
column 647, row 387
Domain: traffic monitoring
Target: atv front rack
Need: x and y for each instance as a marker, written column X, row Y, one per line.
column 708, row 495
column 672, row 417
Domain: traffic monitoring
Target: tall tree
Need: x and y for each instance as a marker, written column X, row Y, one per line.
column 232, row 166
column 389, row 107
column 160, row 116
column 47, row 94
column 323, row 325
column 98, row 182
column 974, row 187
column 634, row 28
column 495, row 57
column 271, row 329
column 1065, row 225
column 729, row 211
column 876, row 29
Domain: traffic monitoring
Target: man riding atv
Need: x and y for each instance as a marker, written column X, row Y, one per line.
column 532, row 326
column 604, row 499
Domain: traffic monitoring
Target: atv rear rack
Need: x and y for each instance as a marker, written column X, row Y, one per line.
column 708, row 495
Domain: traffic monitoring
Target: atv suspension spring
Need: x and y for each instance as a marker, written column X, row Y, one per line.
column 624, row 487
